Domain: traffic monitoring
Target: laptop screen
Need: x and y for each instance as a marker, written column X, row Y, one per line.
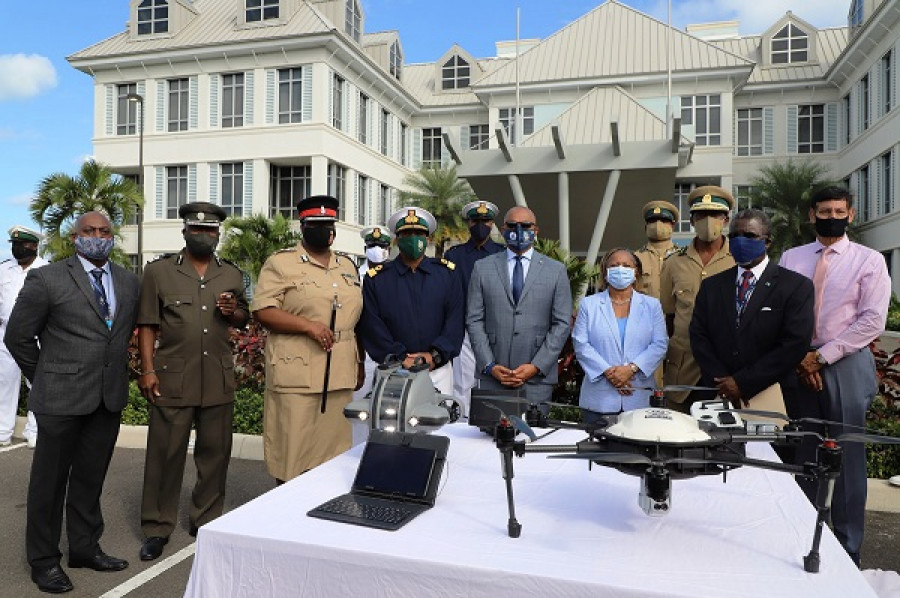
column 393, row 469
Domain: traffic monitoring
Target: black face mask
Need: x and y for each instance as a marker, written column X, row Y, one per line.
column 318, row 237
column 201, row 245
column 20, row 252
column 480, row 231
column 831, row 227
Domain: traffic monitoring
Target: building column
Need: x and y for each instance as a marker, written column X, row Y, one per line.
column 318, row 166
column 602, row 216
column 516, row 187
column 564, row 224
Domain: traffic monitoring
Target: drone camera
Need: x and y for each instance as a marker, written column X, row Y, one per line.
column 655, row 497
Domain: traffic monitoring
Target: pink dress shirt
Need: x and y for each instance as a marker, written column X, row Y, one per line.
column 855, row 299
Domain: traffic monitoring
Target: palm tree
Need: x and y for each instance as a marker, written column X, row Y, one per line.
column 61, row 198
column 249, row 241
column 783, row 190
column 439, row 191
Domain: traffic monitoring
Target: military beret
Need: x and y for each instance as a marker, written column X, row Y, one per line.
column 318, row 208
column 479, row 210
column 24, row 235
column 376, row 235
column 664, row 209
column 710, row 198
column 202, row 213
column 412, row 218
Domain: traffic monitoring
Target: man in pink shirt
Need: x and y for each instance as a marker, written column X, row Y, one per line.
column 852, row 292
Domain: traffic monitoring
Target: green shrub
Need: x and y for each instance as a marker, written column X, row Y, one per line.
column 893, row 318
column 248, row 412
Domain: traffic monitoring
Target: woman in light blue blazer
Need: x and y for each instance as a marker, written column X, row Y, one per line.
column 620, row 339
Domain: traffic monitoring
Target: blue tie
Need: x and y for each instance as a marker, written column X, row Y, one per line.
column 518, row 280
column 100, row 292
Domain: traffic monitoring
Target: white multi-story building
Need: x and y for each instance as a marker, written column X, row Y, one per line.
column 253, row 104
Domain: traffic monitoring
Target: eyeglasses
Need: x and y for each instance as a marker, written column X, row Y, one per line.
column 746, row 235
column 524, row 225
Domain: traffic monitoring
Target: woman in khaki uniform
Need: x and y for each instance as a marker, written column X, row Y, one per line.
column 293, row 299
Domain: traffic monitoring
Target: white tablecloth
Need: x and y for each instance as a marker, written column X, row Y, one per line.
column 583, row 535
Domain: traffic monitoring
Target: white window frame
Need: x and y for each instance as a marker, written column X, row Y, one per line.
column 795, row 46
column 456, row 73
column 506, row 117
column 176, row 189
column 811, row 120
column 257, row 11
column 296, row 180
column 233, row 100
column 337, row 186
column 432, row 147
column 705, row 109
column 231, row 197
column 353, row 19
column 152, row 17
column 749, row 123
column 126, row 110
column 395, row 60
column 362, row 121
column 290, row 88
column 479, row 137
column 178, row 104
column 337, row 101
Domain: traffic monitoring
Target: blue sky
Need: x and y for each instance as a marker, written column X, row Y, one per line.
column 46, row 106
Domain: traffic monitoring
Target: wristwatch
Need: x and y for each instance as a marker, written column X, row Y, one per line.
column 487, row 369
column 821, row 360
column 634, row 368
column 437, row 358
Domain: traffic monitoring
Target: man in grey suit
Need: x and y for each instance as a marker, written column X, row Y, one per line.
column 519, row 312
column 69, row 334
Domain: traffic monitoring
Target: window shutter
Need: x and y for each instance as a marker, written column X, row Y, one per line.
column 193, row 102
column 416, row 149
column 271, row 93
column 854, row 113
column 860, row 111
column 160, row 191
column 391, row 122
column 248, row 98
column 768, row 130
column 247, row 199
column 110, row 109
column 832, row 110
column 214, row 184
column 878, row 75
column 894, row 177
column 351, row 110
column 734, row 133
column 875, row 185
column 160, row 105
column 464, row 138
column 215, row 83
column 792, row 112
column 192, row 182
column 307, row 93
column 142, row 89
column 331, row 97
column 356, row 206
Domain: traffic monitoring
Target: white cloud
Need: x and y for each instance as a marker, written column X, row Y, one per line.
column 19, row 200
column 24, row 76
column 754, row 16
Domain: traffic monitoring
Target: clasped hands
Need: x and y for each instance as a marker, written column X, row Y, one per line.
column 514, row 378
column 620, row 376
column 808, row 372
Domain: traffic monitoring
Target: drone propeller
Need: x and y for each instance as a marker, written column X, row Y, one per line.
column 671, row 387
column 758, row 413
column 517, row 422
column 867, row 438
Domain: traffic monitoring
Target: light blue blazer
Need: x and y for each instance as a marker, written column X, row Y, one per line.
column 598, row 347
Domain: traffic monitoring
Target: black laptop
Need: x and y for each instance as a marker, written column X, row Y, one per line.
column 397, row 479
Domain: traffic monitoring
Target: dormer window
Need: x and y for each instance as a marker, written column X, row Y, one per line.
column 152, row 17
column 455, row 74
column 396, row 60
column 353, row 20
column 262, row 10
column 855, row 16
column 790, row 45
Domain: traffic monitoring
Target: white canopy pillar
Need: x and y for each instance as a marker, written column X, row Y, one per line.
column 602, row 216
column 516, row 187
column 564, row 236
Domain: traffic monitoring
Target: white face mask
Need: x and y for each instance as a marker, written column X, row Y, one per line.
column 376, row 254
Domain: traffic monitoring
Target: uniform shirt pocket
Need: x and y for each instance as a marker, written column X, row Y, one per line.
column 170, row 371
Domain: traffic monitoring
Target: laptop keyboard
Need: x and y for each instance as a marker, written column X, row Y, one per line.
column 370, row 512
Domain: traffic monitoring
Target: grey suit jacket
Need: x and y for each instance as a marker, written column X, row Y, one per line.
column 534, row 331
column 78, row 362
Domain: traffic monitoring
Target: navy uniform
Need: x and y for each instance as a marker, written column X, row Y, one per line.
column 294, row 286
column 419, row 310
column 12, row 276
column 480, row 217
column 680, row 281
column 190, row 377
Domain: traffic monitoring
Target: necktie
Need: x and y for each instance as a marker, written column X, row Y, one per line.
column 743, row 294
column 819, row 280
column 518, row 280
column 100, row 292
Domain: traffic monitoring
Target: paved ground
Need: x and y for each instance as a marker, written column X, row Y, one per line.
column 247, row 480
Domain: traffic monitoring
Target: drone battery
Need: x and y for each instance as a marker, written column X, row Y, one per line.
column 487, row 406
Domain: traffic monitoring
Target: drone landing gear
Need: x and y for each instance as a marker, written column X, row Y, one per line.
column 506, row 440
column 829, row 470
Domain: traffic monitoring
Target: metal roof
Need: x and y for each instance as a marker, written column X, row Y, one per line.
column 612, row 40
column 421, row 81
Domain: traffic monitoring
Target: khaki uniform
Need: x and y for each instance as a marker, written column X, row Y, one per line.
column 680, row 281
column 652, row 256
column 195, row 367
column 297, row 436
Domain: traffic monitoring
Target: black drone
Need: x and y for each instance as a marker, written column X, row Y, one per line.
column 658, row 445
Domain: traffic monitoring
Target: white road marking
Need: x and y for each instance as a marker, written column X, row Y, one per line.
column 154, row 571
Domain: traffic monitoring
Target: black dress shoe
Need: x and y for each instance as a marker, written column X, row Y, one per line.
column 52, row 580
column 99, row 562
column 153, row 547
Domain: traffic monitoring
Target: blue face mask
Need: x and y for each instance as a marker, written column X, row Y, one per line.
column 519, row 239
column 745, row 251
column 94, row 248
column 620, row 277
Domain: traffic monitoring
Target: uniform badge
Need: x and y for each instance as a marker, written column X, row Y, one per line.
column 201, row 216
column 707, row 198
column 450, row 265
column 376, row 234
column 411, row 217
column 482, row 208
column 657, row 210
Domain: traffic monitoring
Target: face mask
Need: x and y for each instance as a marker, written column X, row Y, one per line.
column 318, row 237
column 620, row 277
column 659, row 231
column 201, row 244
column 94, row 248
column 519, row 239
column 709, row 229
column 831, row 227
column 480, row 231
column 376, row 254
column 745, row 251
column 413, row 246
column 20, row 252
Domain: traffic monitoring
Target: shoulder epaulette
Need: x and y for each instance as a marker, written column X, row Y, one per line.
column 371, row 272
column 646, row 247
column 286, row 250
column 450, row 265
column 164, row 256
column 681, row 251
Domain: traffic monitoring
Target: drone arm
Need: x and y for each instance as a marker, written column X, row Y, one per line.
column 828, row 470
